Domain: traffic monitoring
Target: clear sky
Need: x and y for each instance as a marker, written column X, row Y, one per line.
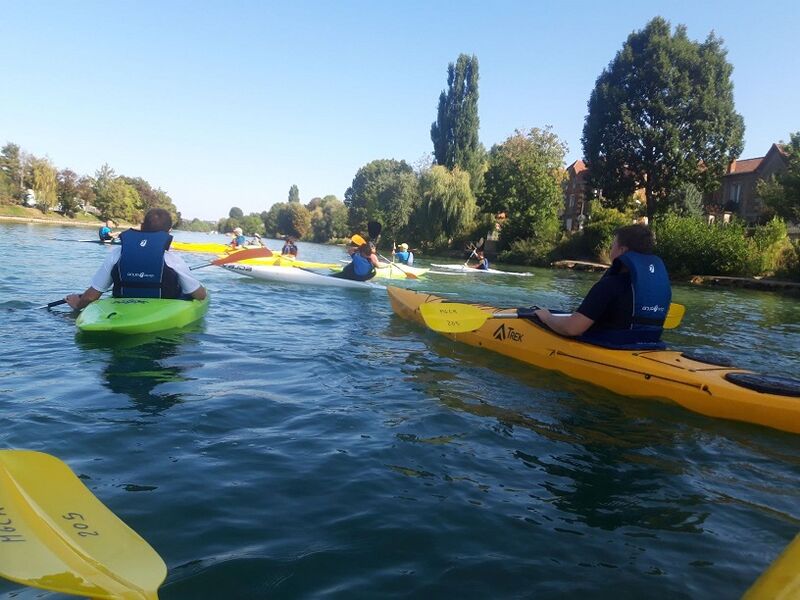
column 230, row 103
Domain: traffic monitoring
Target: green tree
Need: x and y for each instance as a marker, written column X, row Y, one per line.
column 85, row 191
column 685, row 200
column 68, row 192
column 294, row 194
column 294, row 219
column 781, row 193
column 153, row 198
column 386, row 191
column 11, row 165
column 662, row 114
column 455, row 131
column 117, row 200
column 235, row 213
column 524, row 181
column 447, row 207
column 270, row 218
column 45, row 184
column 252, row 224
column 328, row 219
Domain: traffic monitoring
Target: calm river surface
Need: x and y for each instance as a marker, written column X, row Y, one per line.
column 307, row 443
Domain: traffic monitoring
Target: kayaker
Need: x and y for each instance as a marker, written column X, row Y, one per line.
column 289, row 247
column 256, row 241
column 105, row 233
column 628, row 305
column 142, row 267
column 483, row 262
column 238, row 241
column 402, row 254
column 363, row 263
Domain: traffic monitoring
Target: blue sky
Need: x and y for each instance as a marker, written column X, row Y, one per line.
column 229, row 104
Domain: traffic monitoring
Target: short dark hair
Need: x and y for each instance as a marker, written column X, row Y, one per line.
column 638, row 238
column 157, row 219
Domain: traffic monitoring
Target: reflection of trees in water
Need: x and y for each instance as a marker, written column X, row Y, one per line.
column 138, row 365
column 609, row 460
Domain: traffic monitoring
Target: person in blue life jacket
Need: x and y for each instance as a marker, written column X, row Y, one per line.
column 142, row 267
column 105, row 234
column 363, row 263
column 626, row 308
column 483, row 262
column 289, row 247
column 238, row 240
column 404, row 255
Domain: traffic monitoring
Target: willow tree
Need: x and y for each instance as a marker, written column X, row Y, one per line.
column 447, row 207
column 455, row 131
column 45, row 184
column 662, row 115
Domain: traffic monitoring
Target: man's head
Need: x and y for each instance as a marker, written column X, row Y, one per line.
column 157, row 219
column 638, row 238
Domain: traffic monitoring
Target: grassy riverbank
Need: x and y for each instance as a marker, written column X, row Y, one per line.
column 24, row 214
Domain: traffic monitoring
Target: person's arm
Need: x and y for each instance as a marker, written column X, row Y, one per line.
column 373, row 258
column 574, row 325
column 189, row 284
column 81, row 301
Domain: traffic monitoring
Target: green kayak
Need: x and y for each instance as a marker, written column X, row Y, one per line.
column 139, row 315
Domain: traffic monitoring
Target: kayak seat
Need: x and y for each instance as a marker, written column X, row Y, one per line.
column 528, row 313
column 768, row 384
column 708, row 357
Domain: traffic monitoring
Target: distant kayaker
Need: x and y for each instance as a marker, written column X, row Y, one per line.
column 404, row 255
column 256, row 241
column 142, row 266
column 483, row 262
column 105, row 233
column 289, row 247
column 628, row 305
column 238, row 240
column 363, row 263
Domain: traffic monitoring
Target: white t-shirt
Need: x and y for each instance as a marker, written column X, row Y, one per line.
column 102, row 280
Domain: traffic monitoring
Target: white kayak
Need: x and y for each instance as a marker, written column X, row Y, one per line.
column 297, row 275
column 464, row 269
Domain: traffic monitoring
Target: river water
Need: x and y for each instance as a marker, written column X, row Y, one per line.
column 307, row 443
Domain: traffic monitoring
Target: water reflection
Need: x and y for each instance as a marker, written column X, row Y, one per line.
column 142, row 367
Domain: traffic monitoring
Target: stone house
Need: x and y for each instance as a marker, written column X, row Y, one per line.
column 575, row 197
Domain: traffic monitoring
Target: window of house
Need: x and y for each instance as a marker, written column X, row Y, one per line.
column 735, row 193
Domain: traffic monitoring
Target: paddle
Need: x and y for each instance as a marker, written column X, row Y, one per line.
column 452, row 317
column 475, row 249
column 374, row 229
column 56, row 535
column 235, row 257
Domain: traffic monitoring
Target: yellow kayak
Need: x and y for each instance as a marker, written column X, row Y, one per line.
column 781, row 581
column 696, row 383
column 206, row 247
column 278, row 260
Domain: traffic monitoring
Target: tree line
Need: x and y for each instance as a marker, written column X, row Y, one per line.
column 26, row 179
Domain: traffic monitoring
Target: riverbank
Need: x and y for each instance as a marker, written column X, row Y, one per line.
column 23, row 214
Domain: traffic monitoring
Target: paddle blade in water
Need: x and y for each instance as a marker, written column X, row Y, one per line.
column 674, row 316
column 446, row 317
column 56, row 535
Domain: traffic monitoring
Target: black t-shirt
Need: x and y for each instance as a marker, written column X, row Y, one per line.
column 610, row 302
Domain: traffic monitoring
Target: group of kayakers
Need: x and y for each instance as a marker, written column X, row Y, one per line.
column 625, row 308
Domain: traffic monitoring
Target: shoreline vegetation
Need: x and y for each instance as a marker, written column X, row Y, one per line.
column 25, row 215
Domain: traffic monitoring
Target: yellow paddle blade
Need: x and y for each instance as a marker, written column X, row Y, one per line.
column 452, row 317
column 56, row 535
column 781, row 579
column 674, row 316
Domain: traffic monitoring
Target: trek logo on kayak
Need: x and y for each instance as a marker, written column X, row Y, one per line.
column 503, row 333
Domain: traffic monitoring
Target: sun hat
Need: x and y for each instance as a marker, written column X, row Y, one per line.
column 238, row 231
column 404, row 246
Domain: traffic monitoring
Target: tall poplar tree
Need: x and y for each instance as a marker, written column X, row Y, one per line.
column 662, row 115
column 455, row 131
column 294, row 194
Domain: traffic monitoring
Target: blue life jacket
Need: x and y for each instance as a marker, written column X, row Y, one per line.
column 104, row 233
column 403, row 256
column 240, row 240
column 652, row 295
column 483, row 265
column 141, row 271
column 362, row 266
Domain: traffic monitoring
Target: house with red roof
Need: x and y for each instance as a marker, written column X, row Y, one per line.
column 737, row 192
column 575, row 197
